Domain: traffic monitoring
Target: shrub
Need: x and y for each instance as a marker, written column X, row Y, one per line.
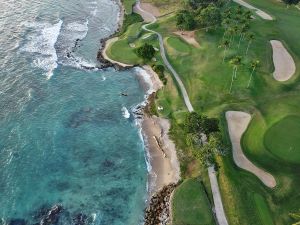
column 146, row 51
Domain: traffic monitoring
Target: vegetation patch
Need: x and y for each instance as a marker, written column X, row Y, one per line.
column 263, row 210
column 283, row 139
column 128, row 4
column 178, row 45
column 190, row 204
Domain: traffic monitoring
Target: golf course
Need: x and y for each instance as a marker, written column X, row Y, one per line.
column 253, row 70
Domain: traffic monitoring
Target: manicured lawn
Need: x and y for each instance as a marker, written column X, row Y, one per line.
column 207, row 80
column 283, row 139
column 190, row 205
column 128, row 4
column 178, row 45
column 263, row 210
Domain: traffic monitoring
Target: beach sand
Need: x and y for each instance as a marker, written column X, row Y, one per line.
column 162, row 153
column 160, row 148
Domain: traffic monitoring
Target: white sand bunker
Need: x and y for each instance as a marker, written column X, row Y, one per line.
column 237, row 125
column 283, row 62
column 259, row 12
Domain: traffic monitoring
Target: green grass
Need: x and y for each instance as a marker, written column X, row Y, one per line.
column 283, row 139
column 207, row 80
column 165, row 6
column 178, row 45
column 128, row 4
column 190, row 204
column 263, row 210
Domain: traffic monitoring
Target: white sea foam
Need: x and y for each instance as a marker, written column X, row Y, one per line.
column 125, row 112
column 147, row 79
column 41, row 42
column 77, row 29
column 93, row 6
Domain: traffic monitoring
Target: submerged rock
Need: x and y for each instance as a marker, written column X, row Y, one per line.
column 80, row 219
column 17, row 222
column 52, row 215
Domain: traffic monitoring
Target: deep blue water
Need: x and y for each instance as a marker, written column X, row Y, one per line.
column 64, row 138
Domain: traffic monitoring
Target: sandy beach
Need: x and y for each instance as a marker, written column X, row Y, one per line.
column 164, row 166
column 160, row 148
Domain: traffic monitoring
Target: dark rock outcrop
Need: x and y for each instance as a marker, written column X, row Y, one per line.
column 158, row 211
column 17, row 222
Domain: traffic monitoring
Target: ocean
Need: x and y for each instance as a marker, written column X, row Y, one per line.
column 69, row 142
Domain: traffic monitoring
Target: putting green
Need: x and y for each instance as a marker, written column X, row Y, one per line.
column 178, row 45
column 283, row 139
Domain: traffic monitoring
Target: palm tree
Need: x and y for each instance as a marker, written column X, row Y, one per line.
column 225, row 23
column 244, row 30
column 295, row 216
column 236, row 62
column 248, row 15
column 254, row 64
column 225, row 45
column 250, row 38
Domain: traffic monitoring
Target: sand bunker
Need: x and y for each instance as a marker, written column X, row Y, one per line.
column 283, row 62
column 259, row 12
column 237, row 125
column 189, row 37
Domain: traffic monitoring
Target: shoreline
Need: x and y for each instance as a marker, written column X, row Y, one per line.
column 159, row 148
column 161, row 156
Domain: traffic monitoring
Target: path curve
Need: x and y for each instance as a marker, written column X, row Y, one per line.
column 284, row 63
column 237, row 124
column 149, row 17
column 259, row 12
column 219, row 209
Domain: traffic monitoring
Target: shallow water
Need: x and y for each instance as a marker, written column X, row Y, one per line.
column 67, row 136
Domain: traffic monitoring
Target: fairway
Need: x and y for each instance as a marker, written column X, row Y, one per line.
column 190, row 204
column 283, row 139
column 178, row 45
column 263, row 210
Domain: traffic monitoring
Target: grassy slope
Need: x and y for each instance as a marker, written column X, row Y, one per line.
column 207, row 80
column 190, row 204
column 165, row 6
column 128, row 4
column 283, row 140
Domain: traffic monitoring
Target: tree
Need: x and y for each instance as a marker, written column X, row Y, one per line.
column 160, row 69
column 244, row 29
column 225, row 44
column 196, row 4
column 210, row 125
column 193, row 123
column 254, row 64
column 206, row 153
column 236, row 62
column 146, row 51
column 291, row 2
column 185, row 20
column 250, row 37
column 209, row 16
column 295, row 216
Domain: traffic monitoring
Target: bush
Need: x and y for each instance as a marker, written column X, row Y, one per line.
column 160, row 69
column 185, row 20
column 129, row 20
column 146, row 51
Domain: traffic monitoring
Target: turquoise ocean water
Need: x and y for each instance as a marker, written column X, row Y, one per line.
column 65, row 135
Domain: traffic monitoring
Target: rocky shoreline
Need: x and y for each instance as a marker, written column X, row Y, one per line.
column 165, row 172
column 159, row 210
